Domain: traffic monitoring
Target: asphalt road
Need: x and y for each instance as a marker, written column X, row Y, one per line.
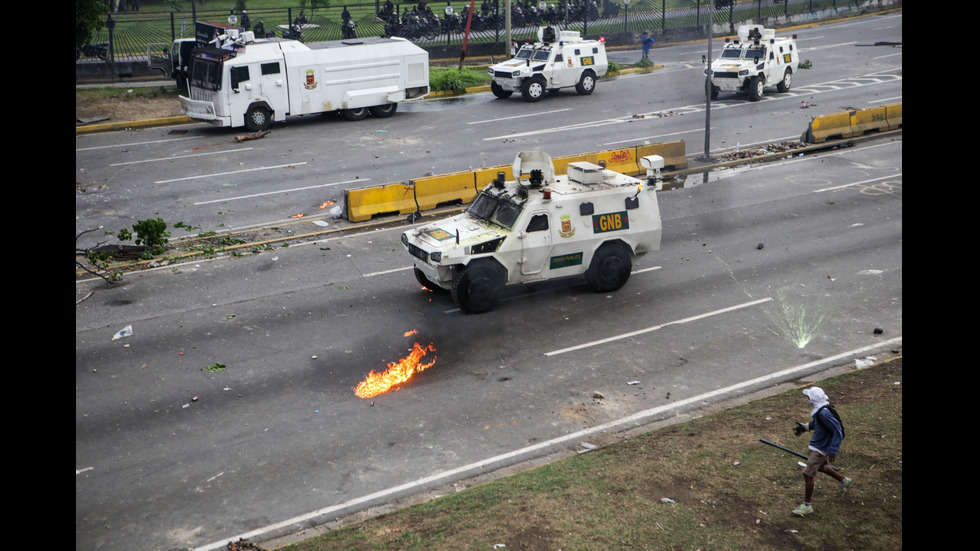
column 755, row 261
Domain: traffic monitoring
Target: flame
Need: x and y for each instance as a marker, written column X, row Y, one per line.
column 326, row 204
column 397, row 373
column 412, row 332
column 300, row 215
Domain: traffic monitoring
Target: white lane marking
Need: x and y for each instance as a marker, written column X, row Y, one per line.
column 252, row 195
column 183, row 156
column 228, row 173
column 861, row 183
column 656, row 327
column 501, row 460
column 520, row 116
column 118, row 145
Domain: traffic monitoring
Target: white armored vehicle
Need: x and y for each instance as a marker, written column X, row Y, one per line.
column 560, row 59
column 239, row 80
column 752, row 62
column 540, row 226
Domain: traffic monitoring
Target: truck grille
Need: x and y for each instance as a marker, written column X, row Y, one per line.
column 725, row 75
column 418, row 253
column 502, row 74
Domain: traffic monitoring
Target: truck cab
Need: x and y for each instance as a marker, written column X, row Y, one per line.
column 590, row 222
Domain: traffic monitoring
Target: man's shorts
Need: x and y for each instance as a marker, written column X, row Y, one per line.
column 813, row 463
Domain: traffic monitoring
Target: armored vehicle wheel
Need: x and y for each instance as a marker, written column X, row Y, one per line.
column 383, row 111
column 533, row 88
column 586, row 84
column 610, row 268
column 477, row 289
column 756, row 88
column 499, row 91
column 784, row 84
column 355, row 114
column 711, row 88
column 424, row 281
column 257, row 118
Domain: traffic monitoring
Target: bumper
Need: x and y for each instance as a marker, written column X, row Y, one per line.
column 729, row 84
column 202, row 111
column 509, row 84
column 438, row 275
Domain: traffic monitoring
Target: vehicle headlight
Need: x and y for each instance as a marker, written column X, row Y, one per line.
column 405, row 239
column 743, row 72
column 436, row 256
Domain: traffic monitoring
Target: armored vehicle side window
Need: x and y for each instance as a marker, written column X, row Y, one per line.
column 539, row 222
column 270, row 68
column 558, row 58
column 238, row 75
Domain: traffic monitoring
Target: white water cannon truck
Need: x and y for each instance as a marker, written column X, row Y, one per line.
column 239, row 80
column 755, row 60
column 540, row 226
column 560, row 59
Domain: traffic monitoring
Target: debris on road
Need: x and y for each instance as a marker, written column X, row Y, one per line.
column 255, row 136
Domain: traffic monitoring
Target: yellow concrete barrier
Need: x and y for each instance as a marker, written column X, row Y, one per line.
column 893, row 113
column 430, row 192
column 445, row 189
column 835, row 126
column 849, row 124
column 867, row 120
column 364, row 203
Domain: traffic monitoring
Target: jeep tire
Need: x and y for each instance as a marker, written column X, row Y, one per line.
column 533, row 88
column 499, row 91
column 787, row 81
column 757, row 88
column 586, row 83
column 477, row 288
column 610, row 268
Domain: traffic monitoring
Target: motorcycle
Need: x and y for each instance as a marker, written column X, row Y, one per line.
column 295, row 32
column 99, row 50
column 347, row 30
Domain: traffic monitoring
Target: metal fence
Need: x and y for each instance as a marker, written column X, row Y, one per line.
column 132, row 36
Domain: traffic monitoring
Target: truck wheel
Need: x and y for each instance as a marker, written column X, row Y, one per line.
column 477, row 289
column 610, row 268
column 499, row 91
column 586, row 84
column 533, row 88
column 257, row 118
column 384, row 111
column 756, row 88
column 784, row 84
column 360, row 113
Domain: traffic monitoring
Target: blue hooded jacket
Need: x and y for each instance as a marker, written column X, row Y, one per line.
column 827, row 432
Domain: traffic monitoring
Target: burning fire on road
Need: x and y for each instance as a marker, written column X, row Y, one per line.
column 398, row 372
